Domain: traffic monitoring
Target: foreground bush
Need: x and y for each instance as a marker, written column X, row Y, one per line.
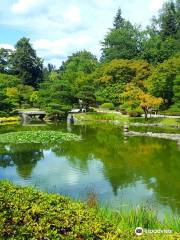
column 26, row 213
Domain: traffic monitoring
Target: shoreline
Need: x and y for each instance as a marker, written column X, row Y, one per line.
column 124, row 119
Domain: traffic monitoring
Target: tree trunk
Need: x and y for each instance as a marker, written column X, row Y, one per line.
column 146, row 113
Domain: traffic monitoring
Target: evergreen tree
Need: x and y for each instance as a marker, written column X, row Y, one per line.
column 4, row 60
column 168, row 20
column 121, row 42
column 26, row 64
column 50, row 67
column 55, row 96
column 87, row 95
column 118, row 20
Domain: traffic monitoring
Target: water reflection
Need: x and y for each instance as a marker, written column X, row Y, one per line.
column 135, row 169
column 24, row 157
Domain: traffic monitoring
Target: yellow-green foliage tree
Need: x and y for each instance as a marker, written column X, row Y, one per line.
column 135, row 97
column 20, row 95
column 148, row 101
column 111, row 78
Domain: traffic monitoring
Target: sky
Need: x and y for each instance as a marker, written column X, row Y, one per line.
column 58, row 28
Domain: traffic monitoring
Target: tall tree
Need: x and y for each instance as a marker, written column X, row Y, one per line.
column 162, row 37
column 118, row 20
column 50, row 67
column 82, row 61
column 155, row 50
column 4, row 60
column 161, row 82
column 168, row 20
column 121, row 42
column 26, row 64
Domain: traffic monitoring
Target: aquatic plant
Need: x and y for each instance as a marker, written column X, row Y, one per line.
column 37, row 137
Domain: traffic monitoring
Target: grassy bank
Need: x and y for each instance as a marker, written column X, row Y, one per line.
column 167, row 122
column 101, row 117
column 26, row 213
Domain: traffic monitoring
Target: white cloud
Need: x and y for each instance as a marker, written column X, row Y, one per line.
column 155, row 5
column 60, row 47
column 58, row 28
column 73, row 14
column 7, row 46
column 104, row 2
column 24, row 6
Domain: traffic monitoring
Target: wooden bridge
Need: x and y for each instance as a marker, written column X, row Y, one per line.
column 28, row 115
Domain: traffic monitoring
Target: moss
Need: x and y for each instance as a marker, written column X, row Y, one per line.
column 26, row 213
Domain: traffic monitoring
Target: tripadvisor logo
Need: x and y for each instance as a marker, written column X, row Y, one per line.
column 139, row 231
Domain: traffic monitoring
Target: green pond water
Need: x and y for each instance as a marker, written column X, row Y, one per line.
column 121, row 170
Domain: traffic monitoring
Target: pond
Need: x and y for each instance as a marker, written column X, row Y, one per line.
column 121, row 170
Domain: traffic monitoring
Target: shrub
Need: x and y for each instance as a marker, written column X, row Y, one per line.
column 3, row 114
column 124, row 108
column 9, row 119
column 109, row 106
column 134, row 113
column 124, row 111
column 91, row 110
column 26, row 213
column 173, row 111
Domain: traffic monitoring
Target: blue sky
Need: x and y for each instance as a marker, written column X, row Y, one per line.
column 57, row 28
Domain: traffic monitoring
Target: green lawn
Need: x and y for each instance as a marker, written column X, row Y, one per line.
column 126, row 119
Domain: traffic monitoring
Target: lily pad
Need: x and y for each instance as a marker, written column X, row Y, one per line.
column 38, row 137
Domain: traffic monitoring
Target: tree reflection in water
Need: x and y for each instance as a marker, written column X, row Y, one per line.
column 23, row 156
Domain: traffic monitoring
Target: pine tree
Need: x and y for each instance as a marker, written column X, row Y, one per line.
column 26, row 64
column 118, row 20
column 168, row 20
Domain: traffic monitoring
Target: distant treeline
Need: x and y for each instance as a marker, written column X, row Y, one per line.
column 138, row 70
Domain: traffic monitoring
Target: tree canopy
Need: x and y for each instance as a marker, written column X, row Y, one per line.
column 138, row 69
column 26, row 64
